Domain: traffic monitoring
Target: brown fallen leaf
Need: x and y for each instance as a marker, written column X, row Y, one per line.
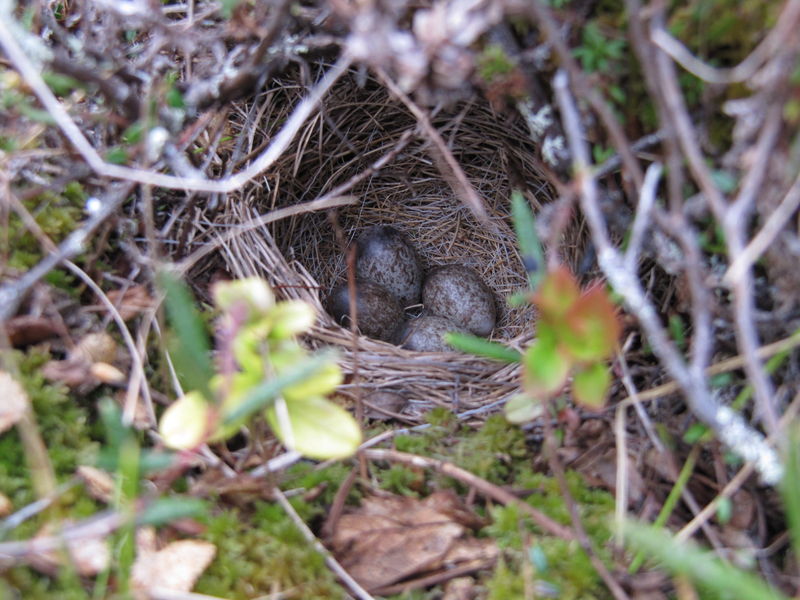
column 461, row 588
column 95, row 347
column 175, row 568
column 14, row 401
column 132, row 301
column 99, row 484
column 88, row 555
column 25, row 330
column 5, row 505
column 391, row 538
column 88, row 364
column 74, row 373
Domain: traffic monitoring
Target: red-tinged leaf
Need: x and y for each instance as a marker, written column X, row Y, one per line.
column 557, row 293
column 546, row 368
column 590, row 385
column 591, row 328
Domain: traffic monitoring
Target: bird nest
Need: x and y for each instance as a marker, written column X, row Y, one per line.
column 302, row 256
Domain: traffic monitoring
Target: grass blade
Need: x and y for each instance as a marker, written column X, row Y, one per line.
column 472, row 344
column 530, row 246
column 191, row 348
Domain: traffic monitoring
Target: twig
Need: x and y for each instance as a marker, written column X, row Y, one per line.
column 724, row 366
column 544, row 16
column 324, row 202
column 451, row 170
column 332, row 563
column 785, row 25
column 735, row 483
column 12, row 294
column 583, row 538
column 729, row 426
column 131, row 399
column 647, row 200
column 481, row 485
column 281, row 141
column 759, row 244
column 97, row 526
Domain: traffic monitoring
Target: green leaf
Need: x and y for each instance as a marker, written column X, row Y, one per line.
column 316, row 428
column 590, row 385
column 530, row 246
column 696, row 432
column 117, row 156
column 546, row 368
column 290, row 318
column 699, row 565
column 166, row 510
column 724, row 511
column 253, row 293
column 265, row 393
column 185, row 424
column 479, row 346
column 191, row 353
column 522, row 409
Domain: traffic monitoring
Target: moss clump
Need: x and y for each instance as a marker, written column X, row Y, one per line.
column 264, row 553
column 64, row 425
column 496, row 451
column 562, row 564
column 58, row 215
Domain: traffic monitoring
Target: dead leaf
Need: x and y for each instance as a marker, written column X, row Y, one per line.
column 132, row 301
column 14, row 401
column 106, row 373
column 461, row 588
column 175, row 568
column 73, row 373
column 25, row 330
column 390, row 538
column 5, row 505
column 99, row 484
column 88, row 364
column 88, row 555
column 95, row 347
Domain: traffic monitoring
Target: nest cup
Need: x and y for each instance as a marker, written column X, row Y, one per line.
column 302, row 257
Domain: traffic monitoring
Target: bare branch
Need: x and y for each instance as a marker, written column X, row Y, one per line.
column 729, row 426
column 225, row 185
column 759, row 244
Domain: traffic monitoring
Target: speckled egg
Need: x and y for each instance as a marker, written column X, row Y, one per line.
column 426, row 334
column 383, row 400
column 385, row 256
column 459, row 294
column 378, row 313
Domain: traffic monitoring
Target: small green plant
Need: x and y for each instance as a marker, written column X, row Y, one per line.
column 597, row 51
column 261, row 367
column 577, row 331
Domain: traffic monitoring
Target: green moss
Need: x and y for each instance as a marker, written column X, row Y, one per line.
column 65, row 428
column 491, row 451
column 264, row 553
column 57, row 215
column 64, row 425
column 493, row 62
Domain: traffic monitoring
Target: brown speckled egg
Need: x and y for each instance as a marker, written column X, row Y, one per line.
column 377, row 311
column 459, row 294
column 385, row 256
column 386, row 400
column 426, row 334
